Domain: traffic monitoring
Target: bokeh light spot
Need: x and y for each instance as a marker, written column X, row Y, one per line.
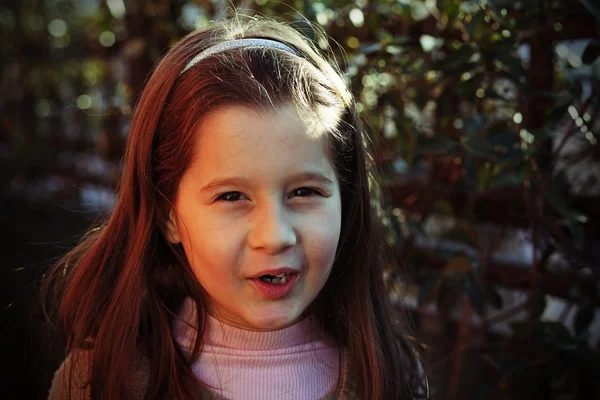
column 357, row 17
column 427, row 43
column 353, row 42
column 107, row 38
column 57, row 27
column 35, row 22
column 117, row 8
column 518, row 118
column 84, row 101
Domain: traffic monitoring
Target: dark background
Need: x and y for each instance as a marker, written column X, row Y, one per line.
column 486, row 113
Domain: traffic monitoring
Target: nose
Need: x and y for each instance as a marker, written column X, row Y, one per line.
column 272, row 230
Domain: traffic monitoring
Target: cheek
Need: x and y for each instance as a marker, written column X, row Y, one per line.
column 211, row 247
column 323, row 234
column 193, row 237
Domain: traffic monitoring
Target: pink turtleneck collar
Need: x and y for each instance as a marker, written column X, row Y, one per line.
column 291, row 363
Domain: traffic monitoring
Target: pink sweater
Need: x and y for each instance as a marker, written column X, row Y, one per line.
column 291, row 363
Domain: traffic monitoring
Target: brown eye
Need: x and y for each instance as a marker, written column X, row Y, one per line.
column 230, row 196
column 304, row 192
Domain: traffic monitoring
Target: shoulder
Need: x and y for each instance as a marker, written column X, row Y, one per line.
column 345, row 388
column 72, row 380
column 417, row 381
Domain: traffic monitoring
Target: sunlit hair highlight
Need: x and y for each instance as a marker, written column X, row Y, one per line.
column 118, row 292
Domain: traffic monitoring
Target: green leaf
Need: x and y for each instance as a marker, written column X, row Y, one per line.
column 556, row 335
column 460, row 264
column 401, row 40
column 511, row 178
column 455, row 59
column 484, row 176
column 479, row 147
column 561, row 104
column 470, row 166
column 462, row 234
column 415, row 228
column 447, row 296
column 450, row 7
column 426, row 292
column 537, row 303
column 370, row 48
column 475, row 295
column 542, row 134
column 593, row 7
column 519, row 328
column 511, row 64
column 555, row 329
column 395, row 228
column 583, row 319
column 560, row 205
column 556, row 369
column 513, row 369
column 552, row 333
column 505, row 139
column 589, row 360
column 437, row 144
column 442, row 207
column 485, row 389
column 591, row 52
column 475, row 125
column 577, row 232
column 493, row 297
column 509, row 162
column 477, row 26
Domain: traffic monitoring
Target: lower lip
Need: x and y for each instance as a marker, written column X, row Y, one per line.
column 273, row 291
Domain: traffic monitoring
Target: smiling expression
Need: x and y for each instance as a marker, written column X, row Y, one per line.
column 260, row 194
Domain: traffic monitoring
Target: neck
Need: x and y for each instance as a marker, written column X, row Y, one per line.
column 223, row 334
column 240, row 363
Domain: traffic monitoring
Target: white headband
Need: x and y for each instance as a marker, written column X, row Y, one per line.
column 237, row 44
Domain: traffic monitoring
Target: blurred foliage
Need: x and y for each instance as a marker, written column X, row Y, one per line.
column 484, row 115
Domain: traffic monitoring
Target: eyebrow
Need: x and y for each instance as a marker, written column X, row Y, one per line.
column 239, row 181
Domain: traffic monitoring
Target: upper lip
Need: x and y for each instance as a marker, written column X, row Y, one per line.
column 275, row 271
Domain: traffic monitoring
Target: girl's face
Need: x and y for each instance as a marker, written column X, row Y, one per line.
column 260, row 197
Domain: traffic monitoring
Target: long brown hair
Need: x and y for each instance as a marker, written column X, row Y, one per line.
column 119, row 290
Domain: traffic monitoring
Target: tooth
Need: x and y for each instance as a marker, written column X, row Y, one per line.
column 284, row 279
column 281, row 275
column 275, row 280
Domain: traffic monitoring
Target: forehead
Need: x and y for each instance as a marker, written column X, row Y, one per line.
column 236, row 139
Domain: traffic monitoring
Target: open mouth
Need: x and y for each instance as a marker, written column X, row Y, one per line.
column 279, row 279
column 278, row 286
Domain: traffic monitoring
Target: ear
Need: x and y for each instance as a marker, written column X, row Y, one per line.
column 171, row 231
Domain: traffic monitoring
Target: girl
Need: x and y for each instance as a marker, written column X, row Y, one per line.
column 242, row 260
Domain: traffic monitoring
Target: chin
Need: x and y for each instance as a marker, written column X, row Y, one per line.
column 275, row 320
